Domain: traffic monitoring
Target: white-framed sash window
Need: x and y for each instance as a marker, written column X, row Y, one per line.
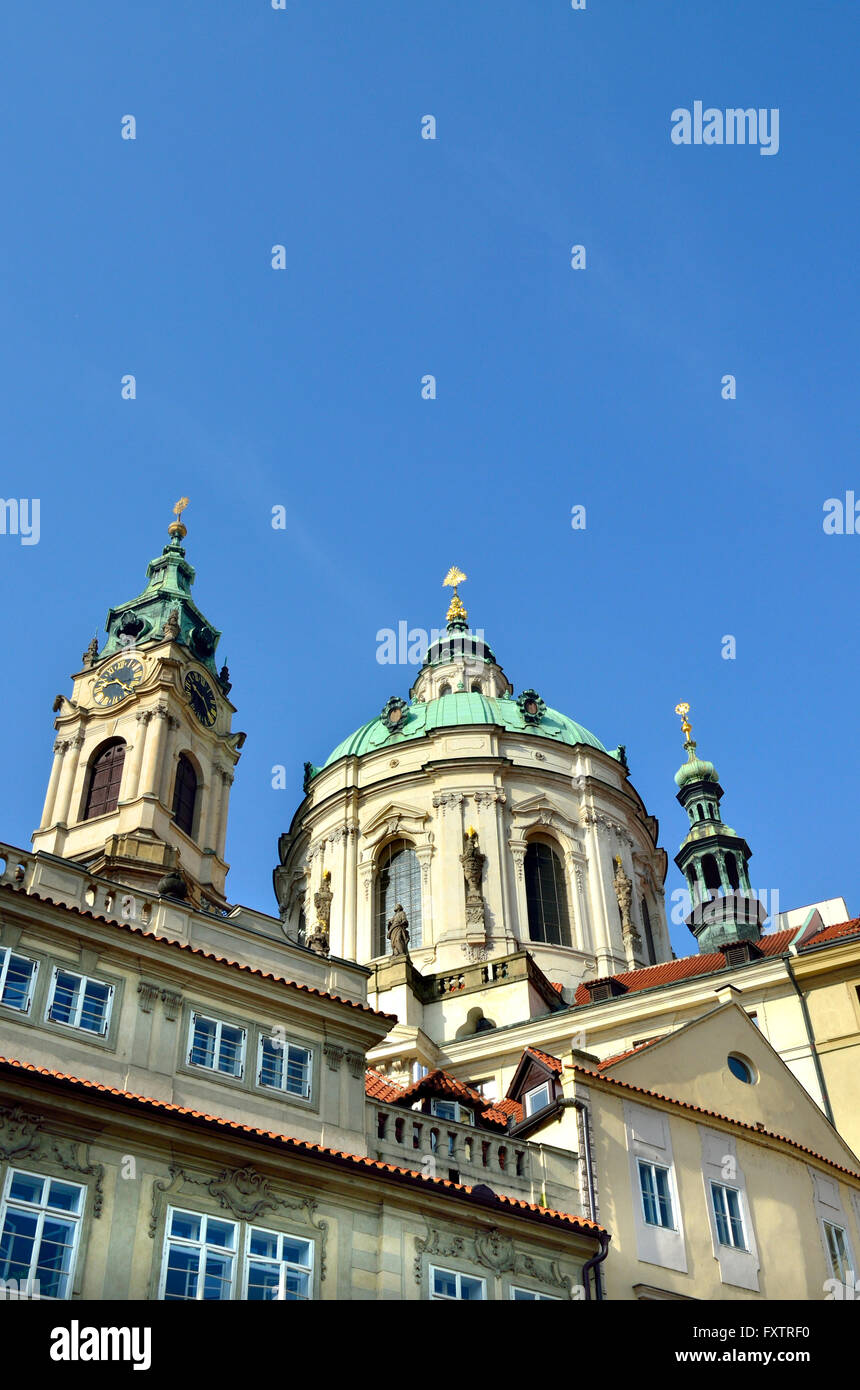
column 217, row 1046
column 77, row 1001
column 40, row 1224
column 17, row 980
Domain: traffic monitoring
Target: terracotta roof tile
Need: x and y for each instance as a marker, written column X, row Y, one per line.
column 579, row 1224
column 198, row 951
column 688, row 967
column 548, row 1060
column 619, row 1056
column 438, row 1082
column 714, row 1114
column 378, row 1087
column 510, row 1107
column 833, row 933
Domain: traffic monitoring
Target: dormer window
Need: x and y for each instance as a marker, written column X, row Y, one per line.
column 451, row 1110
column 537, row 1099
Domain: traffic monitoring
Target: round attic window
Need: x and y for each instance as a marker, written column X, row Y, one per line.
column 741, row 1069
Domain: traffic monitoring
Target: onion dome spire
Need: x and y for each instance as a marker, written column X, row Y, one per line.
column 713, row 858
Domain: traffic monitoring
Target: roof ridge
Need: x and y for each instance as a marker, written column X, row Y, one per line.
column 717, row 1115
column 199, row 951
column 547, row 1214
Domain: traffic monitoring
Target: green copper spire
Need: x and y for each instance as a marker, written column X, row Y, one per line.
column 165, row 610
column 713, row 858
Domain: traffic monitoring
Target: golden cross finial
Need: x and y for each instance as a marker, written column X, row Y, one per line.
column 686, row 728
column 177, row 528
column 456, row 611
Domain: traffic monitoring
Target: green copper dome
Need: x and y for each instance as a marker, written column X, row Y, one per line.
column 695, row 769
column 462, row 707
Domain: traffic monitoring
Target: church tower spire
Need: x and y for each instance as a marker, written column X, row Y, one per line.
column 144, row 757
column 713, row 858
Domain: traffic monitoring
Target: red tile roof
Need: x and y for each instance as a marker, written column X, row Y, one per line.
column 833, row 933
column 440, row 1083
column 578, row 1224
column 378, row 1087
column 507, row 1107
column 688, row 967
column 714, row 1114
column 619, row 1056
column 198, row 951
column 548, row 1060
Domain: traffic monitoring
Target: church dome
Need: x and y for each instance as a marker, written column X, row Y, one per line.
column 461, row 707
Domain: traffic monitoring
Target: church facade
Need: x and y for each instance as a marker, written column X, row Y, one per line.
column 461, row 1062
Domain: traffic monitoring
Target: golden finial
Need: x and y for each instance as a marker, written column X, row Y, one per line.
column 176, row 527
column 471, row 832
column 686, row 728
column 456, row 612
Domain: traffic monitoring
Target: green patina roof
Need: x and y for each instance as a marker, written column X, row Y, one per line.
column 462, row 707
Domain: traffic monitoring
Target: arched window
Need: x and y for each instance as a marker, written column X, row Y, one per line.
column 398, row 881
column 184, row 794
column 711, row 871
column 649, row 937
column 476, row 688
column 546, row 895
column 104, row 779
column 445, row 689
column 732, row 871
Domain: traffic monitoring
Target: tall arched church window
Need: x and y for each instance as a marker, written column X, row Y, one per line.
column 104, row 779
column 398, row 880
column 184, row 794
column 445, row 689
column 546, row 895
column 649, row 938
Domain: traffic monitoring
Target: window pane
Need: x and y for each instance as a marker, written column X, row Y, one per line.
column 65, row 1000
column 297, row 1252
column 203, row 1045
column 185, row 1225
column 271, row 1063
column 649, row 1197
column 664, row 1199
column 263, row 1281
column 220, row 1233
column 398, row 881
column 55, row 1257
column 297, row 1071
column 26, row 1188
column 444, row 1283
column 16, row 1244
column 546, row 895
column 218, row 1277
column 230, row 1054
column 297, row 1285
column 471, row 1288
column 183, row 1262
column 94, row 1010
column 265, row 1244
column 16, row 987
column 64, row 1196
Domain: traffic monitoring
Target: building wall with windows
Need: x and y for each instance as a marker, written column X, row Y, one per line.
column 701, row 1208
column 111, row 1196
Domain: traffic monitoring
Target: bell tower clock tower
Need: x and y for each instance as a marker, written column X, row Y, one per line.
column 145, row 754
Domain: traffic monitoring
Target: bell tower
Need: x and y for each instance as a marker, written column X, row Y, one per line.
column 713, row 858
column 145, row 754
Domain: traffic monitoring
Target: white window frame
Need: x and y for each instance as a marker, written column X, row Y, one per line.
column 44, row 1211
column 841, row 1275
column 722, row 1188
column 220, row 1024
column 649, row 1163
column 458, row 1276
column 461, row 1115
column 283, row 1265
column 8, row 955
column 283, row 1046
column 531, row 1295
column 203, row 1248
column 83, row 981
column 528, row 1098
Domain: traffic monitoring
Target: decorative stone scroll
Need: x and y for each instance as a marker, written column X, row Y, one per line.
column 21, row 1137
column 244, row 1192
column 495, row 1252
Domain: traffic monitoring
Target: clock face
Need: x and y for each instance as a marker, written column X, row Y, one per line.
column 118, row 680
column 200, row 698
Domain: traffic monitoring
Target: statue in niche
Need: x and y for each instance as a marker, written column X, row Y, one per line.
column 171, row 626
column 318, row 939
column 398, row 932
column 473, row 868
column 624, row 894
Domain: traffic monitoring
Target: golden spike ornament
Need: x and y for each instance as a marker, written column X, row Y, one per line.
column 176, row 528
column 456, row 612
column 683, row 709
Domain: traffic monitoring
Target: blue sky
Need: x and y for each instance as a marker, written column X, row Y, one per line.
column 555, row 387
